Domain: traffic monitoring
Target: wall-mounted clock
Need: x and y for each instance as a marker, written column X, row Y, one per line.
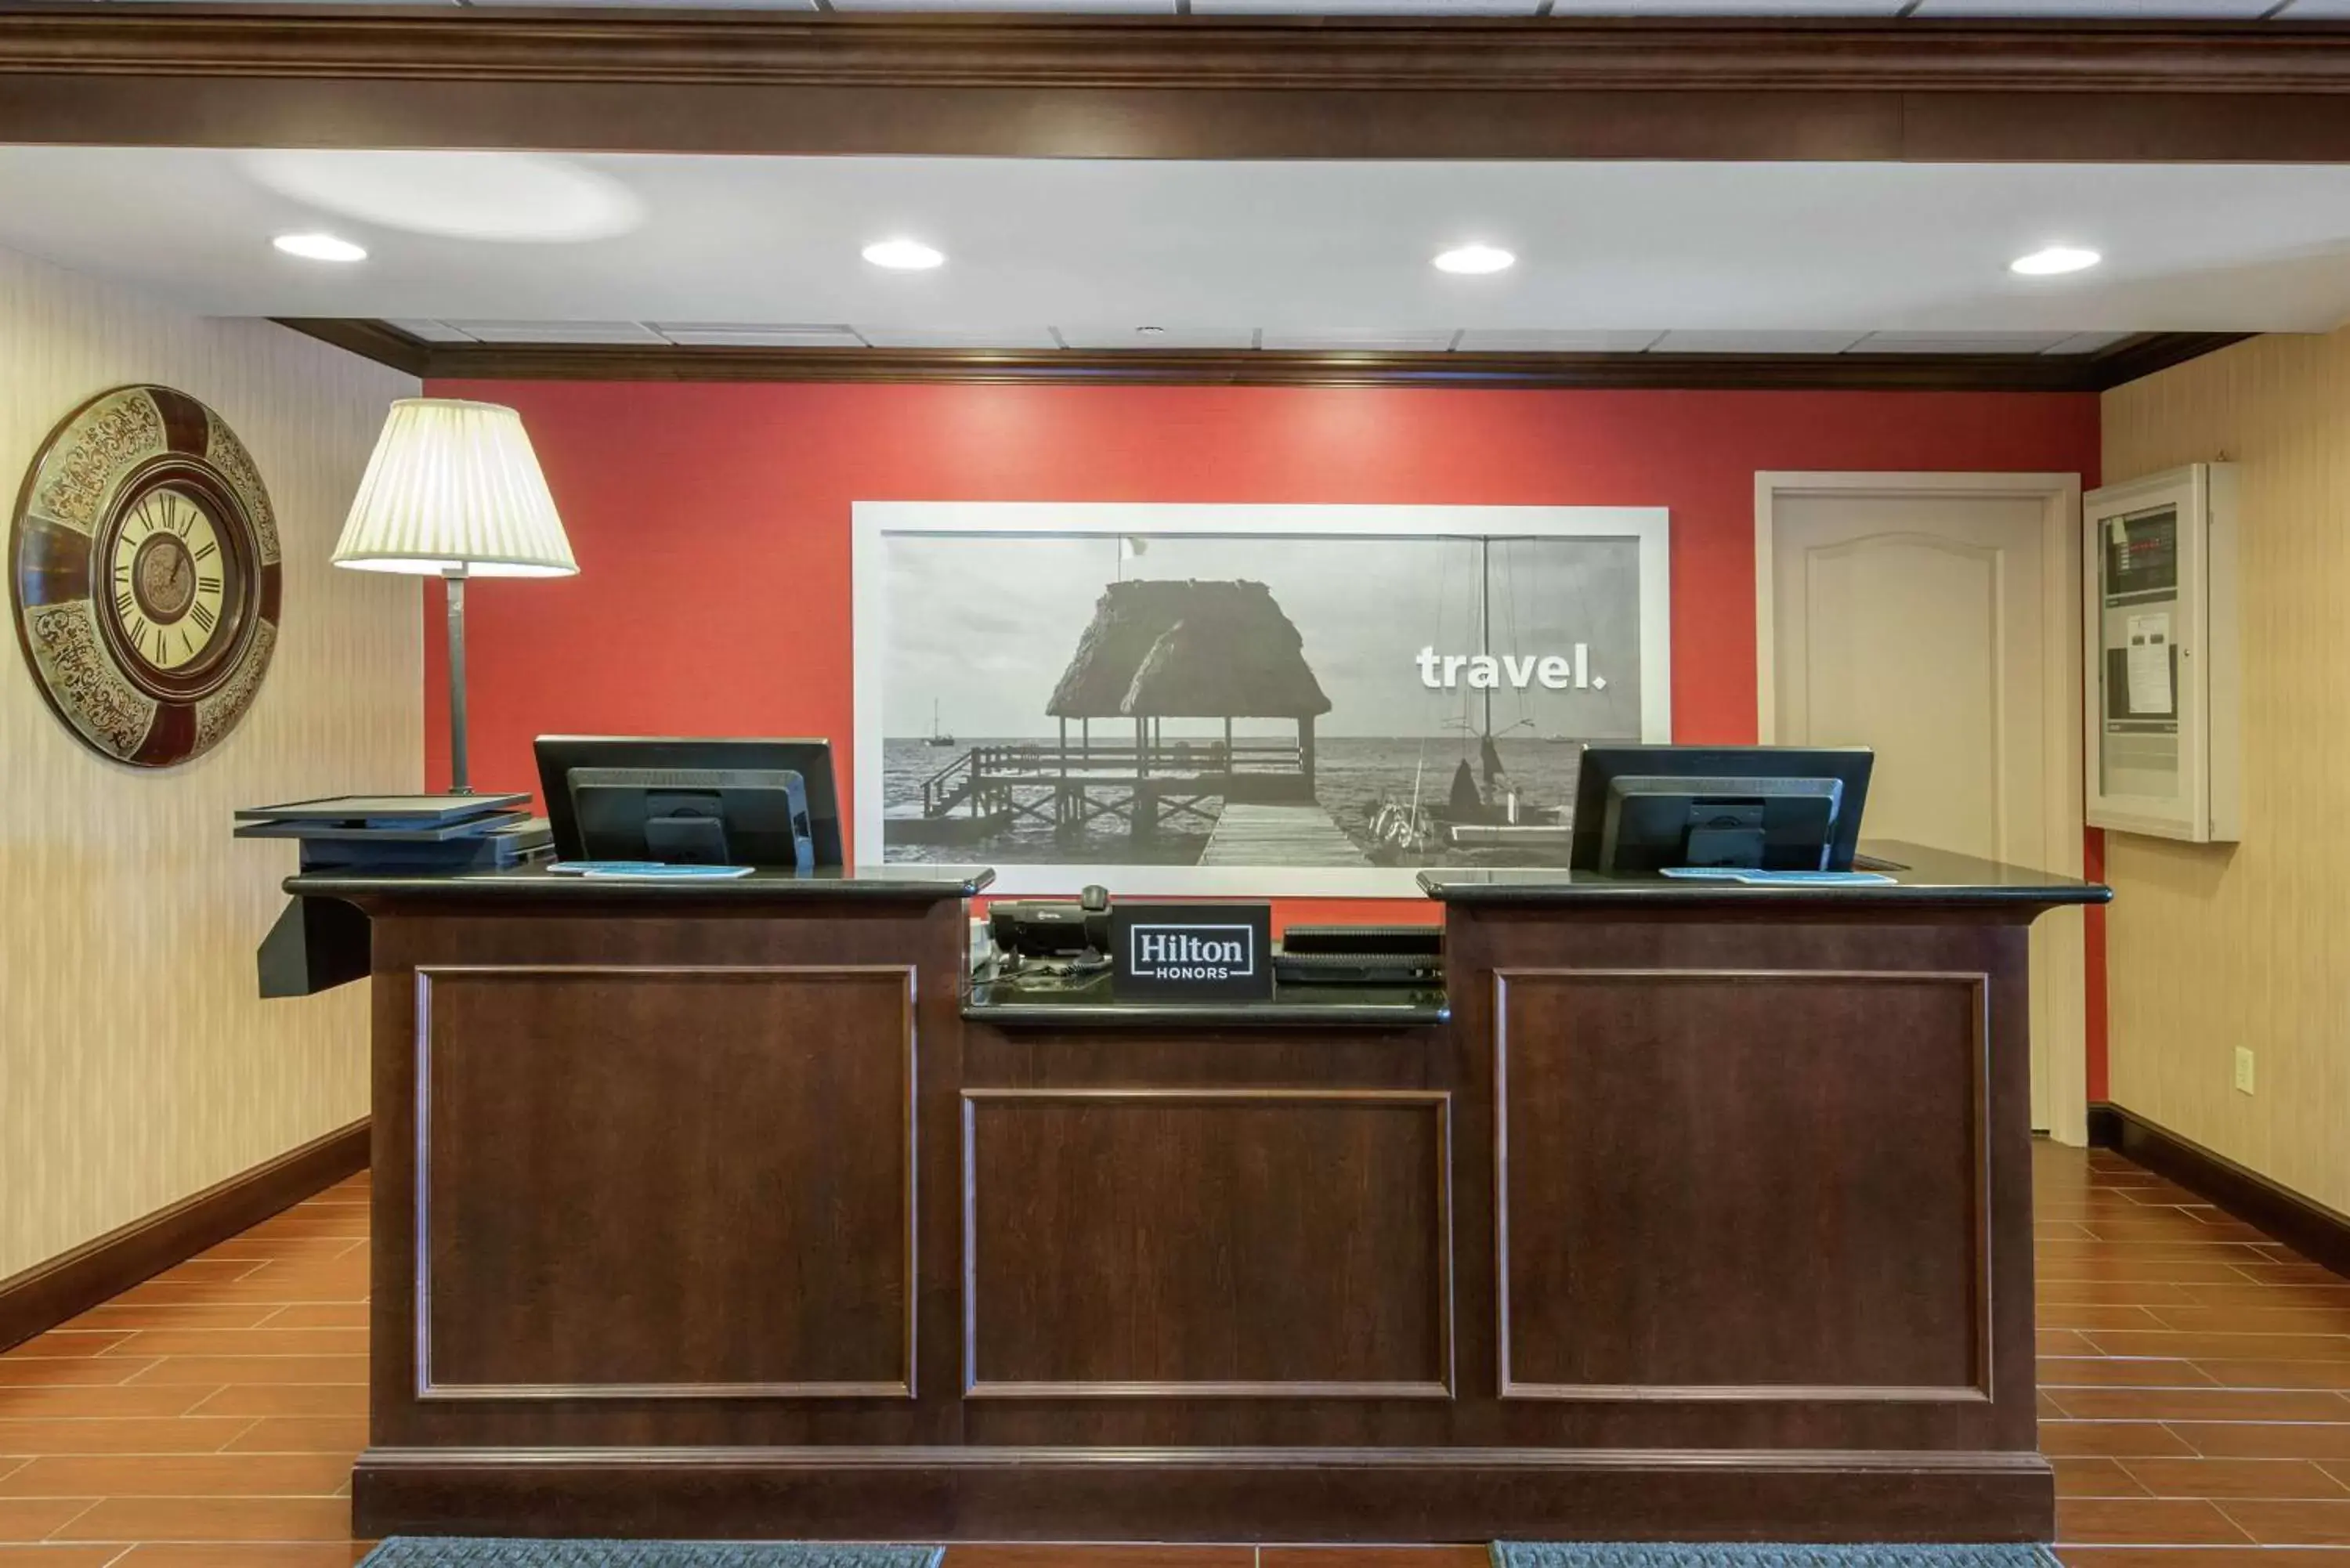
column 145, row 576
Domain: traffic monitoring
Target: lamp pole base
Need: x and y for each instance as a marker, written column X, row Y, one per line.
column 453, row 587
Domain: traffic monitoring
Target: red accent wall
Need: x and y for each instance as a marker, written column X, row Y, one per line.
column 712, row 521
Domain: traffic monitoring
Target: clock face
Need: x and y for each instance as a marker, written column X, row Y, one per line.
column 146, row 575
column 169, row 580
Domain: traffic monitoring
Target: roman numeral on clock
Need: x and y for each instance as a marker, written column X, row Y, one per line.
column 207, row 548
column 203, row 616
column 124, row 604
column 208, row 585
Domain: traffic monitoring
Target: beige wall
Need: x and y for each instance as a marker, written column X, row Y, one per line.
column 2212, row 947
column 137, row 1065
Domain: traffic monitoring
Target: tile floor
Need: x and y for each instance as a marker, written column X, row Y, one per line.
column 2195, row 1394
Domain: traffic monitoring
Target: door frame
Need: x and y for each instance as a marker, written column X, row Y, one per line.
column 2066, row 980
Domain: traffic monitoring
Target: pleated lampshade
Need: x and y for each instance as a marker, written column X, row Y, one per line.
column 454, row 486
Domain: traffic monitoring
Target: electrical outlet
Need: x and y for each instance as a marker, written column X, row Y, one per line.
column 2243, row 1070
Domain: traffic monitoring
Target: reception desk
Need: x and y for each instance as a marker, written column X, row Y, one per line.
column 731, row 1209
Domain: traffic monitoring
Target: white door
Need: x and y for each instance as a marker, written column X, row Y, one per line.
column 1918, row 624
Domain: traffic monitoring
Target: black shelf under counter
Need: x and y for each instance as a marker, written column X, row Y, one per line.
column 1009, row 1004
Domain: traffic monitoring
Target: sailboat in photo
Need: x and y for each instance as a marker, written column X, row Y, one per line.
column 937, row 736
column 1483, row 809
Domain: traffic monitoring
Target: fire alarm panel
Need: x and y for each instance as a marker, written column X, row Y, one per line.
column 2164, row 654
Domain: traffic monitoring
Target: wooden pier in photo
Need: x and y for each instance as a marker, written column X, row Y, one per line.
column 1147, row 786
column 1280, row 835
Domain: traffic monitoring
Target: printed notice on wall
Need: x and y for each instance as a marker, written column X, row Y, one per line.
column 2149, row 666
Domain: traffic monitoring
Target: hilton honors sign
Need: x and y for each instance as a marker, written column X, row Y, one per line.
column 1174, row 952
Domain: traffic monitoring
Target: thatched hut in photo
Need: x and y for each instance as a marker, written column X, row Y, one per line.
column 1163, row 650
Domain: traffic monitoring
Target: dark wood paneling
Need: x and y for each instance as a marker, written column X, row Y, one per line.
column 1989, row 940
column 1170, row 1171
column 2311, row 1229
column 930, row 938
column 1159, row 1243
column 45, row 1296
column 691, row 1183
column 1060, row 1493
column 1808, row 1144
column 1181, row 86
column 2137, row 356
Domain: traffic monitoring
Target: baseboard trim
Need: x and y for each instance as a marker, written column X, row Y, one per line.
column 47, row 1294
column 2311, row 1229
column 1370, row 1495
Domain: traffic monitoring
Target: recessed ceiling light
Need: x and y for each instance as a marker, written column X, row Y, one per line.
column 319, row 247
column 1475, row 259
column 904, row 255
column 2054, row 260
column 1152, row 331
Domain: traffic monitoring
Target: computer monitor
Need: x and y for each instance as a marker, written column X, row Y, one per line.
column 1779, row 808
column 755, row 814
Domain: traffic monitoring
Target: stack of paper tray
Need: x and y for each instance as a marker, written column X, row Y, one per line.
column 320, row 943
column 404, row 832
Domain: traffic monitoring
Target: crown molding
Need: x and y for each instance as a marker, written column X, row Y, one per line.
column 1181, row 86
column 2123, row 361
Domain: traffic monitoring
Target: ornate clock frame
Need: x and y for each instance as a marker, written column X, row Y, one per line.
column 148, row 464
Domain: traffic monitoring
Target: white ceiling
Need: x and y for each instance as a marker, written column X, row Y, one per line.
column 1810, row 257
column 2239, row 10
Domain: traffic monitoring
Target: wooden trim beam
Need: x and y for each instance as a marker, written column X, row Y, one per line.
column 1291, row 54
column 2124, row 361
column 1180, row 87
column 47, row 1294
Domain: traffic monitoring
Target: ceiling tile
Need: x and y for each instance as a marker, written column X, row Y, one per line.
column 674, row 4
column 558, row 331
column 1958, row 342
column 2088, row 342
column 1365, row 7
column 2116, row 8
column 134, row 3
column 1708, row 342
column 1727, row 8
column 1144, row 7
column 1405, row 340
column 1166, row 337
column 1507, row 340
column 430, row 331
column 2311, row 10
column 1006, row 337
column 707, row 334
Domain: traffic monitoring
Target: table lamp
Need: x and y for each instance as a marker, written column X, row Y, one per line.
column 454, row 491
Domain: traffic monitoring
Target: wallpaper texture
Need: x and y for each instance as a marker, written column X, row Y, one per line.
column 2212, row 947
column 137, row 1063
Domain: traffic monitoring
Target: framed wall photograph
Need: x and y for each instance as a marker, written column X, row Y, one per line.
column 1205, row 700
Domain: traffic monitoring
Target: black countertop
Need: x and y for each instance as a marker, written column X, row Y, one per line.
column 1921, row 875
column 537, row 884
column 1087, row 1005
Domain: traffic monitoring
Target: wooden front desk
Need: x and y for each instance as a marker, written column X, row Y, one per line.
column 722, row 1209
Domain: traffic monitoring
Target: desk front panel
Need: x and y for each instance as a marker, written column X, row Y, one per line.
column 658, row 1180
column 1679, row 1225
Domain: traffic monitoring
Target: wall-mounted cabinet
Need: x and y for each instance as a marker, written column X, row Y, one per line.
column 2164, row 653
